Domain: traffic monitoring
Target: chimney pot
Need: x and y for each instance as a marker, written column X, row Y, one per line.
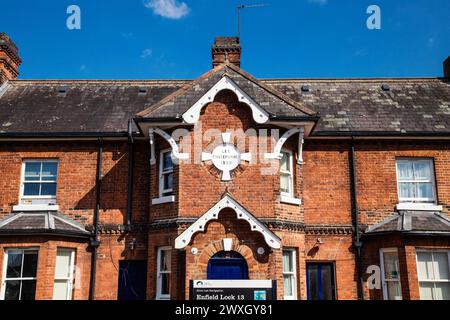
column 9, row 59
column 447, row 68
column 226, row 49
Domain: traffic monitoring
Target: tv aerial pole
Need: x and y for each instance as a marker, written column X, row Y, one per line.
column 246, row 6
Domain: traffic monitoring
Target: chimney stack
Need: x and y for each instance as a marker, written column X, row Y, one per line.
column 9, row 59
column 226, row 49
column 447, row 68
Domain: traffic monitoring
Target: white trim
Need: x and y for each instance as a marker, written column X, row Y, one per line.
column 173, row 144
column 38, row 197
column 213, row 214
column 433, row 281
column 70, row 278
column 290, row 172
column 276, row 154
column 5, row 264
column 161, row 200
column 160, row 296
column 161, row 190
column 290, row 200
column 293, row 256
column 192, row 115
column 410, row 206
column 432, row 181
column 35, row 207
column 384, row 281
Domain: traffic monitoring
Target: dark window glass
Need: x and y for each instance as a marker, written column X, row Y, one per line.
column 12, row 290
column 320, row 278
column 167, row 161
column 48, row 189
column 32, row 170
column 14, row 265
column 29, row 265
column 28, row 290
column 31, row 189
column 49, row 170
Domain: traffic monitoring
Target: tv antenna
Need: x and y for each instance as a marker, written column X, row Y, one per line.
column 246, row 6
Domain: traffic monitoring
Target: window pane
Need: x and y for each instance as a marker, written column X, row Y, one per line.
column 288, row 283
column 30, row 264
column 49, row 169
column 14, row 264
column 164, row 283
column 48, row 189
column 285, row 183
column 31, row 189
column 32, row 170
column 442, row 291
column 164, row 260
column 28, row 290
column 313, row 283
column 168, row 181
column 327, row 282
column 60, row 290
column 394, row 290
column 405, row 170
column 406, row 190
column 12, row 290
column 426, row 291
column 425, row 266
column 425, row 190
column 391, row 265
column 441, row 266
column 63, row 264
column 167, row 161
column 285, row 164
column 288, row 265
column 422, row 169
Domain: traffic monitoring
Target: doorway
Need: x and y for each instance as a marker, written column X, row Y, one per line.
column 320, row 281
column 132, row 280
column 227, row 266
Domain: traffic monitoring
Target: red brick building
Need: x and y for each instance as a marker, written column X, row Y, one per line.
column 334, row 188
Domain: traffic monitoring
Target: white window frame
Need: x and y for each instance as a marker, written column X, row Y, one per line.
column 290, row 174
column 168, row 251
column 70, row 278
column 22, row 184
column 292, row 274
column 5, row 265
column 429, row 201
column 433, row 281
column 164, row 192
column 385, row 281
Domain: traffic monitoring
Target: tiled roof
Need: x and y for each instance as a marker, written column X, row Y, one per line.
column 41, row 223
column 345, row 106
column 413, row 222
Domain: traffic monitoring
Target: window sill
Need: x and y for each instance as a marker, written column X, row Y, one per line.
column 161, row 200
column 418, row 206
column 35, row 207
column 290, row 200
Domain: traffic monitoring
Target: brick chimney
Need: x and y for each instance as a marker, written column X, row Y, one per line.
column 447, row 68
column 226, row 49
column 9, row 59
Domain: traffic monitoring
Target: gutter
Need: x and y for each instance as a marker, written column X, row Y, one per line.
column 130, row 173
column 95, row 243
column 354, row 205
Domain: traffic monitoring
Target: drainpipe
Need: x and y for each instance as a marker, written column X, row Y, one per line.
column 94, row 240
column 357, row 240
column 130, row 173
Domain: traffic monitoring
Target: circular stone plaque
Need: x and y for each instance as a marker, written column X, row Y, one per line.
column 226, row 157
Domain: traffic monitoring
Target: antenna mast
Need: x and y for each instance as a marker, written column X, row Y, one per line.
column 246, row 6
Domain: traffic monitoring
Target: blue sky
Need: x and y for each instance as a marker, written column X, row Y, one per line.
column 171, row 39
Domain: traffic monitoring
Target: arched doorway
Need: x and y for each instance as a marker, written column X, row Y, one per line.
column 227, row 266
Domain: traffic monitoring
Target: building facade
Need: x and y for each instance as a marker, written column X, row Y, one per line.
column 334, row 188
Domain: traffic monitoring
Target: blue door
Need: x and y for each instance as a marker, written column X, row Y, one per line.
column 320, row 281
column 227, row 266
column 132, row 280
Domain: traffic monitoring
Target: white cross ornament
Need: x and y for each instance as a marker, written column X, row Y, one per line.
column 226, row 157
